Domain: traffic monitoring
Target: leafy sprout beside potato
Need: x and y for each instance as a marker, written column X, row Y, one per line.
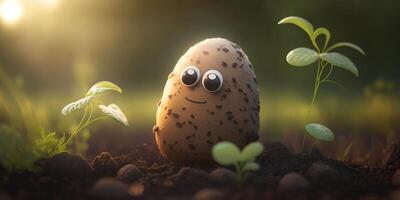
column 326, row 61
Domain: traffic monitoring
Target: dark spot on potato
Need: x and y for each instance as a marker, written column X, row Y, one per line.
column 176, row 142
column 190, row 122
column 228, row 90
column 184, row 108
column 164, row 142
column 178, row 124
column 241, row 66
column 218, row 106
column 176, row 115
column 197, row 62
column 205, row 53
column 234, row 65
column 191, row 146
column 240, row 53
column 229, row 113
column 195, row 127
column 169, row 112
column 221, row 123
column 218, row 49
column 192, row 116
column 235, row 122
column 224, row 64
column 230, row 117
column 245, row 121
column 170, row 96
column 246, row 99
column 209, row 133
column 170, row 147
column 233, row 80
column 225, row 50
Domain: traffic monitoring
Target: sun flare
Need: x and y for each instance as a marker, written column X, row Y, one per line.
column 10, row 11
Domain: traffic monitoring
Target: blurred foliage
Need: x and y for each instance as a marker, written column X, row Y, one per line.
column 49, row 144
column 14, row 153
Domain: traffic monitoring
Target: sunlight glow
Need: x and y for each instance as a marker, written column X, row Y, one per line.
column 10, row 11
column 50, row 3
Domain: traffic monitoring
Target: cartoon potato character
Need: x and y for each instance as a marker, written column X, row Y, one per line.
column 210, row 96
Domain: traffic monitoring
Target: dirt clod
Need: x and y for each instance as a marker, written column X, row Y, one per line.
column 66, row 165
column 293, row 184
column 129, row 173
column 209, row 194
column 109, row 188
column 104, row 165
column 223, row 176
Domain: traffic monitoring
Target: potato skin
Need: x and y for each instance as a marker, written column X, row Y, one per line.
column 185, row 131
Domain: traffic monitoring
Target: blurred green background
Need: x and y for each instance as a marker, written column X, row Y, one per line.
column 56, row 49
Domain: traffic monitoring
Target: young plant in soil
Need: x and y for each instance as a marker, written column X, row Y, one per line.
column 227, row 153
column 50, row 144
column 325, row 61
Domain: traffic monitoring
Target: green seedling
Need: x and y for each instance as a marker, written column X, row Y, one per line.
column 49, row 144
column 87, row 102
column 325, row 61
column 227, row 153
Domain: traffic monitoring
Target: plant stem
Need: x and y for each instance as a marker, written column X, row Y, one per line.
column 88, row 121
column 317, row 82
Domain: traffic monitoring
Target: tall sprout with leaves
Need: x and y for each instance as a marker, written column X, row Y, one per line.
column 87, row 102
column 227, row 153
column 325, row 60
column 50, row 144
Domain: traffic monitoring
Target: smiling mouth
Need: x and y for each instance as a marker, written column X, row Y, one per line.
column 193, row 101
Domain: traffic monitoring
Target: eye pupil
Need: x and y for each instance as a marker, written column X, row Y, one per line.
column 212, row 81
column 190, row 76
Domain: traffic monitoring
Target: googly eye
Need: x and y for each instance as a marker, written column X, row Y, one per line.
column 212, row 80
column 190, row 76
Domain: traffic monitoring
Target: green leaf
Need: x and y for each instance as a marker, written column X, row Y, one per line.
column 320, row 132
column 115, row 113
column 340, row 60
column 81, row 103
column 323, row 31
column 49, row 144
column 102, row 86
column 251, row 166
column 251, row 151
column 301, row 57
column 346, row 44
column 226, row 153
column 300, row 22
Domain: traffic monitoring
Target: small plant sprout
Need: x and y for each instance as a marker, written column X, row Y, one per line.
column 87, row 102
column 326, row 60
column 227, row 153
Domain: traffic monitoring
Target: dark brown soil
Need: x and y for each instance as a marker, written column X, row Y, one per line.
column 139, row 172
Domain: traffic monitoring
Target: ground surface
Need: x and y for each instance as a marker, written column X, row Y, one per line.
column 139, row 172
